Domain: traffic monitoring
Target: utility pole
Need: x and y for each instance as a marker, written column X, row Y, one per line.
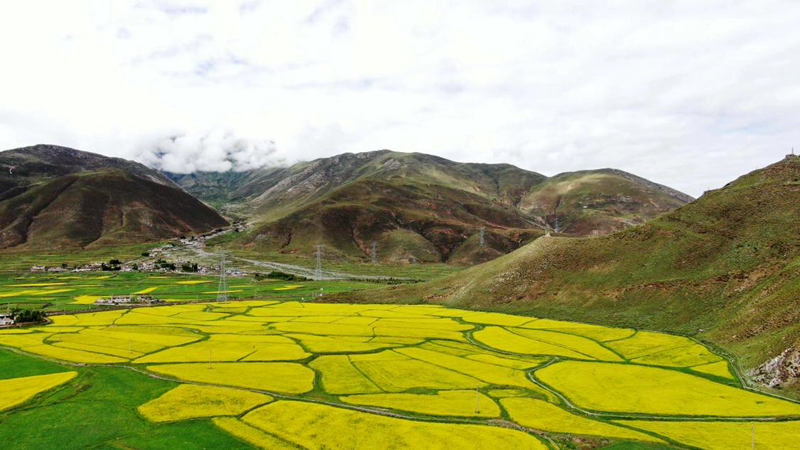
column 477, row 401
column 374, row 252
column 318, row 269
column 483, row 236
column 222, row 289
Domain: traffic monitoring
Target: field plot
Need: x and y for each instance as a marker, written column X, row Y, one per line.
column 190, row 401
column 288, row 374
column 14, row 391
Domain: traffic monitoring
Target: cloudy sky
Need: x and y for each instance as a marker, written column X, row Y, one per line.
column 686, row 93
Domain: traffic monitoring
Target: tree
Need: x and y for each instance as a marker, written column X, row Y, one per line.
column 28, row 315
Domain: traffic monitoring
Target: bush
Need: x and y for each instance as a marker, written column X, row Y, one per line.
column 28, row 315
column 189, row 267
column 278, row 275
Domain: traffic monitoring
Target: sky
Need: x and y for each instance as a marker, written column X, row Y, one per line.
column 690, row 94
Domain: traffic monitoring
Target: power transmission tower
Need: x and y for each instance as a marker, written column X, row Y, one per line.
column 374, row 252
column 483, row 236
column 318, row 269
column 222, row 289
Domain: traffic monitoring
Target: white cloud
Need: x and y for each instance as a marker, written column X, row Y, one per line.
column 214, row 151
column 686, row 93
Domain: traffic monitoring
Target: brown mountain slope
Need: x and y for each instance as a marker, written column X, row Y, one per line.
column 418, row 207
column 93, row 205
column 725, row 268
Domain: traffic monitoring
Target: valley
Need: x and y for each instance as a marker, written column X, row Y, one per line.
column 407, row 296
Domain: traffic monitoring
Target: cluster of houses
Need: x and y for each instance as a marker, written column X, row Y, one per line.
column 134, row 299
column 6, row 320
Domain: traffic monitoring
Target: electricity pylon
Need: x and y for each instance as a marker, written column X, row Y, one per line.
column 318, row 269
column 222, row 289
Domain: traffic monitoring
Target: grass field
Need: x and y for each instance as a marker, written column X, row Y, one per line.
column 70, row 291
column 292, row 374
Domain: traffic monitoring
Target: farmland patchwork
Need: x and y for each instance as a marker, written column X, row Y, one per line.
column 288, row 374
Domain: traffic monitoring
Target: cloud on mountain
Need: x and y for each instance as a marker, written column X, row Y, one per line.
column 214, row 151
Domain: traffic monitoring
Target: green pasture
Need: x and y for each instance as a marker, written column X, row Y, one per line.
column 70, row 291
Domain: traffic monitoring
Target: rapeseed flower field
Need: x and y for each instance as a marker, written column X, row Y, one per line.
column 288, row 374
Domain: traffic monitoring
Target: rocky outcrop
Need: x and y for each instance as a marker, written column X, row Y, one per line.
column 779, row 371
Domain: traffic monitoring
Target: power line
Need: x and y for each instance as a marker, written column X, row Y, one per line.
column 222, row 289
column 374, row 252
column 483, row 236
column 318, row 268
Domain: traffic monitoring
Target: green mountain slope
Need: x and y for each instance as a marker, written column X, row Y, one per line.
column 54, row 197
column 418, row 207
column 725, row 268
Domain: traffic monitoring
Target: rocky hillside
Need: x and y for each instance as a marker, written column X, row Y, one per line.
column 725, row 268
column 57, row 197
column 418, row 207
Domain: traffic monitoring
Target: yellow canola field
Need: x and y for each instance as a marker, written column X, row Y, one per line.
column 317, row 426
column 73, row 355
column 504, row 340
column 15, row 391
column 651, row 390
column 190, row 282
column 146, row 290
column 540, row 415
column 109, row 343
column 342, row 344
column 86, row 299
column 88, row 319
column 719, row 369
column 647, row 347
column 444, row 403
column 489, row 373
column 493, row 318
column 596, row 332
column 290, row 378
column 189, row 401
column 252, row 434
column 228, row 347
column 394, row 372
column 339, row 376
column 582, row 345
column 426, row 324
column 330, row 329
column 288, row 287
column 159, row 336
column 726, row 435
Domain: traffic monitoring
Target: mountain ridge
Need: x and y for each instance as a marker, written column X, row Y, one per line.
column 502, row 199
column 58, row 197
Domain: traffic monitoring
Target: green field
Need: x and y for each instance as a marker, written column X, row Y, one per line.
column 70, row 291
column 279, row 373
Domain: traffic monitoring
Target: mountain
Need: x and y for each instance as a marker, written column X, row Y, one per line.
column 418, row 207
column 724, row 268
column 57, row 197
